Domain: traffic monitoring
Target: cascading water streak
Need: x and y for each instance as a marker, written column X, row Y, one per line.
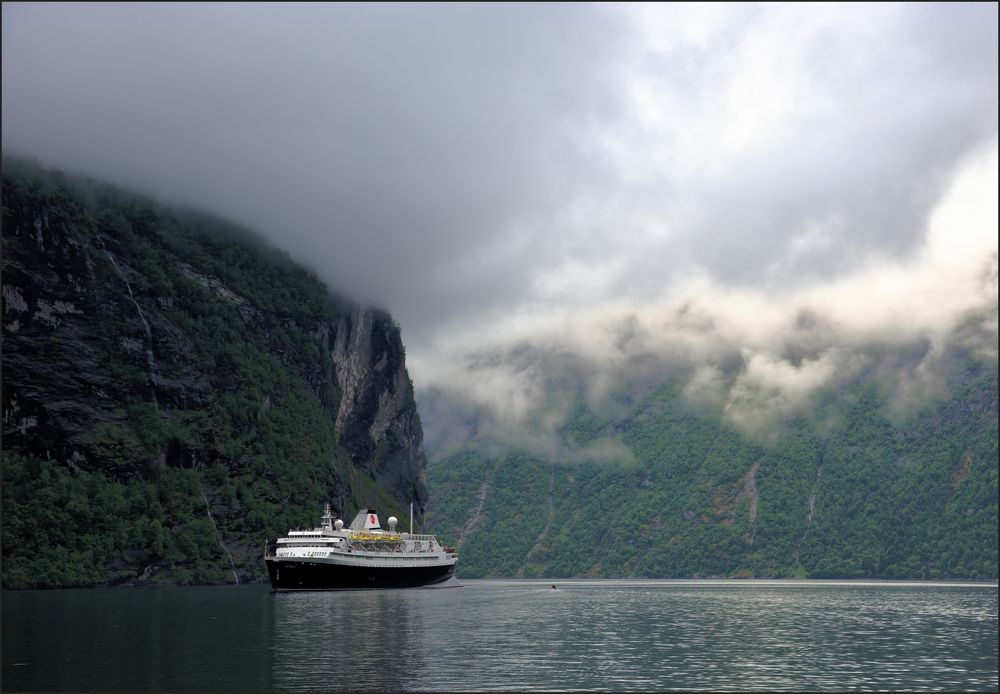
column 150, row 357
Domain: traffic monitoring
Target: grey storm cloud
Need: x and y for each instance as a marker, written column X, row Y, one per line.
column 391, row 147
column 503, row 175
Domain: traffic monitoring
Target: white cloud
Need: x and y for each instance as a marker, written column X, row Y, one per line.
column 701, row 323
column 770, row 389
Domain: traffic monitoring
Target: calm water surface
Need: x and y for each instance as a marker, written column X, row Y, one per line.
column 507, row 635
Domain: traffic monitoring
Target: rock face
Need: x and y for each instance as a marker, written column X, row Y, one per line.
column 174, row 362
column 72, row 315
column 378, row 421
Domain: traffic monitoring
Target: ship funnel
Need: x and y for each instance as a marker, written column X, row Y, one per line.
column 367, row 519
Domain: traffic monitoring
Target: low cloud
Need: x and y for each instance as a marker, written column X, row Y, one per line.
column 758, row 358
column 769, row 390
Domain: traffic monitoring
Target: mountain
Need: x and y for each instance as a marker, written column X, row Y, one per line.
column 175, row 391
column 860, row 481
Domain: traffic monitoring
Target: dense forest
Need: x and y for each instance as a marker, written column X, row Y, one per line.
column 174, row 392
column 842, row 491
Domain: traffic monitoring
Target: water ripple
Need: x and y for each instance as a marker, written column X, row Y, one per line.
column 636, row 636
column 487, row 636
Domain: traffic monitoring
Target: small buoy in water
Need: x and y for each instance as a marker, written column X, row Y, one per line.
column 553, row 587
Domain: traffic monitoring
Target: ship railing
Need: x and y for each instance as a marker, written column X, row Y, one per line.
column 371, row 537
column 420, row 538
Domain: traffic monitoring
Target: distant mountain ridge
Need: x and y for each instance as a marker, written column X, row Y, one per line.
column 175, row 391
column 854, row 483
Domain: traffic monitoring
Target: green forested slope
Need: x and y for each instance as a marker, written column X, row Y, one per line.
column 169, row 394
column 841, row 491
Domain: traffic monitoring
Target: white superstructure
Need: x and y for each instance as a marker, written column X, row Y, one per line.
column 363, row 544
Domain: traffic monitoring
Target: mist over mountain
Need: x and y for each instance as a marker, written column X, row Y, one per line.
column 843, row 430
column 886, row 469
column 758, row 357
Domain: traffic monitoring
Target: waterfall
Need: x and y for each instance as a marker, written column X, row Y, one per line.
column 809, row 518
column 150, row 357
column 208, row 510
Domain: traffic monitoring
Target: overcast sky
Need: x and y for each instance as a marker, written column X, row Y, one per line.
column 501, row 174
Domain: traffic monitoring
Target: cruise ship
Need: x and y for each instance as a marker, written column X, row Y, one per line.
column 362, row 555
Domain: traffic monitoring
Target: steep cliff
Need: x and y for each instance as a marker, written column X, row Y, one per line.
column 378, row 421
column 175, row 392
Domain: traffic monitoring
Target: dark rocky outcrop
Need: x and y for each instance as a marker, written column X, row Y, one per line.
column 378, row 421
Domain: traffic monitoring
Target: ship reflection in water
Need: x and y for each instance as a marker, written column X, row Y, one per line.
column 348, row 640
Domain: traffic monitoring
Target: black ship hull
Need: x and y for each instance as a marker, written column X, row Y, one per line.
column 294, row 574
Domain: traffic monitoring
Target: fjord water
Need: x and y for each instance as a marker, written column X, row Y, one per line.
column 507, row 635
